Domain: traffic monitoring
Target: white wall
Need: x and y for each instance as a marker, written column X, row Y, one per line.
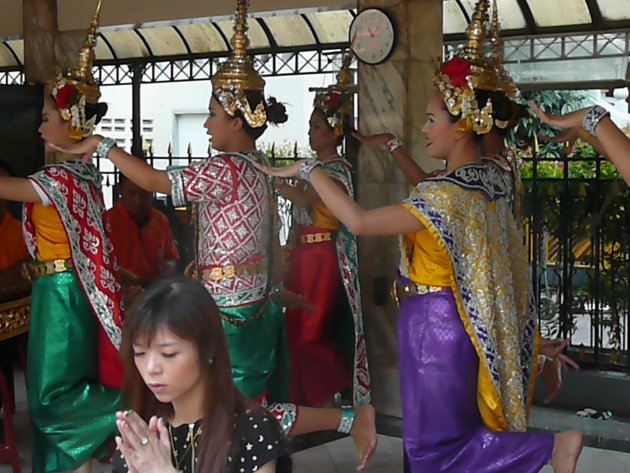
column 178, row 111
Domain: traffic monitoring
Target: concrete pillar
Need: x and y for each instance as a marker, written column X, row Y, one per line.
column 392, row 98
column 40, row 28
column 47, row 50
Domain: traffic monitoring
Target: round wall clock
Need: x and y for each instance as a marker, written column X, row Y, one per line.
column 372, row 36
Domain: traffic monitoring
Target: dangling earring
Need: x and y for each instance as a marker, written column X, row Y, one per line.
column 210, row 361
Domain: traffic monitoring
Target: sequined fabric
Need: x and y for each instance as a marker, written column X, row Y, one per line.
column 233, row 229
column 321, row 337
column 340, row 170
column 286, row 414
column 442, row 428
column 258, row 349
column 74, row 189
column 233, row 220
column 468, row 213
column 73, row 415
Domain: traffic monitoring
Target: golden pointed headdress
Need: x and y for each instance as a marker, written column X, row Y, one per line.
column 505, row 82
column 335, row 101
column 76, row 87
column 237, row 75
column 472, row 69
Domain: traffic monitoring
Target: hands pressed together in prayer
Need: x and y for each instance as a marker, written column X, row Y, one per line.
column 145, row 448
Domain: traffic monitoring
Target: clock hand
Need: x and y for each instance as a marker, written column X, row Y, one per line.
column 363, row 34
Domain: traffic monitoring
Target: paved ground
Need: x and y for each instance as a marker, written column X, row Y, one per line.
column 337, row 456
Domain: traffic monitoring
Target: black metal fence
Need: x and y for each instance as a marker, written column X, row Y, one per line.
column 577, row 221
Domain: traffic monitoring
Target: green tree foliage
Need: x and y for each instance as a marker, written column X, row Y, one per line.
column 587, row 212
column 554, row 101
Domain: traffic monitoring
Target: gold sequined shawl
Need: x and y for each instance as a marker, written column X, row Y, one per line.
column 469, row 214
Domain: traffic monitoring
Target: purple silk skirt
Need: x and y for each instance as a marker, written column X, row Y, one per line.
column 442, row 427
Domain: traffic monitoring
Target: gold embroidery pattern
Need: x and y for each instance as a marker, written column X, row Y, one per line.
column 232, row 271
column 316, row 237
column 491, row 276
column 15, row 317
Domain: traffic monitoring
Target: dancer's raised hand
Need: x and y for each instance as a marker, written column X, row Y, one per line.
column 283, row 171
column 378, row 139
column 571, row 120
column 84, row 148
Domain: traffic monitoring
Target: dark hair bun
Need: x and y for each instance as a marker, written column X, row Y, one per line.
column 96, row 110
column 101, row 111
column 276, row 111
column 504, row 108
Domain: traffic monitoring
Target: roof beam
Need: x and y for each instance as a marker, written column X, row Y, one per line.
column 532, row 28
column 464, row 12
column 596, row 13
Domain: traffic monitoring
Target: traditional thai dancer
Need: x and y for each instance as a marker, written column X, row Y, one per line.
column 233, row 204
column 323, row 269
column 75, row 314
column 507, row 112
column 466, row 330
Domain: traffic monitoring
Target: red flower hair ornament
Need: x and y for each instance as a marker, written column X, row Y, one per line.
column 64, row 96
column 334, row 99
column 457, row 69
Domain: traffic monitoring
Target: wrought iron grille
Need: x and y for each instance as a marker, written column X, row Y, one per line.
column 276, row 63
column 15, row 77
column 178, row 69
column 577, row 228
column 279, row 62
column 558, row 46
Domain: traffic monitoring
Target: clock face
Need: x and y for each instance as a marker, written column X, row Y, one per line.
column 372, row 36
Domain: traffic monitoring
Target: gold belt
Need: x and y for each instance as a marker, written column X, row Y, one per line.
column 232, row 271
column 45, row 268
column 316, row 237
column 400, row 290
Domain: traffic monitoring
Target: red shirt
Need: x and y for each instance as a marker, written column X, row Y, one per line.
column 12, row 247
column 141, row 249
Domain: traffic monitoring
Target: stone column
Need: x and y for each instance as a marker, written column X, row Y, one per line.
column 46, row 49
column 392, row 98
column 40, row 28
column 67, row 45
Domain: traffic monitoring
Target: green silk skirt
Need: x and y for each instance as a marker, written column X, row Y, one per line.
column 257, row 342
column 73, row 415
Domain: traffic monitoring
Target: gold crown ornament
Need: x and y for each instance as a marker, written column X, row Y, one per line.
column 505, row 83
column 335, row 101
column 459, row 77
column 237, row 75
column 76, row 87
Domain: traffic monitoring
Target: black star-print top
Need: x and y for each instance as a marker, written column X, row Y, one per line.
column 257, row 440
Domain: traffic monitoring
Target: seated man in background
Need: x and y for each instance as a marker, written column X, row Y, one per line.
column 15, row 286
column 142, row 237
column 13, row 252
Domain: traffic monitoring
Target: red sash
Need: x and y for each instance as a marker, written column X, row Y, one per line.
column 74, row 189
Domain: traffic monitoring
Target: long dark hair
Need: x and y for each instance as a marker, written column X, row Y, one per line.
column 186, row 308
